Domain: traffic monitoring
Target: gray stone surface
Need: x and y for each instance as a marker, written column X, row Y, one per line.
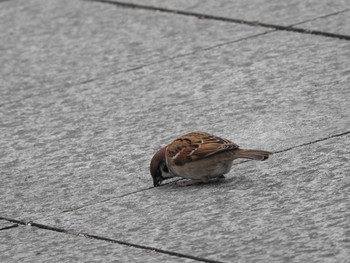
column 339, row 24
column 295, row 207
column 275, row 12
column 29, row 244
column 61, row 43
column 74, row 147
column 89, row 91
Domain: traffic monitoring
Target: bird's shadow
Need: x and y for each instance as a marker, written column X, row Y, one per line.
column 236, row 182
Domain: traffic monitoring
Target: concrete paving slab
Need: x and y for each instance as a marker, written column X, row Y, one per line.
column 273, row 12
column 339, row 24
column 294, row 207
column 45, row 43
column 91, row 143
column 30, row 244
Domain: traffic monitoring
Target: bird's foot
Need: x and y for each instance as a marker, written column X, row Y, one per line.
column 221, row 177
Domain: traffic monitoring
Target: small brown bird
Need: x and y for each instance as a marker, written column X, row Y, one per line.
column 199, row 156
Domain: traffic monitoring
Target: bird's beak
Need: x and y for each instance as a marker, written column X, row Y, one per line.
column 157, row 181
column 155, row 166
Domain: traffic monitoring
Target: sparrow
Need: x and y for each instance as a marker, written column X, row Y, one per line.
column 199, row 156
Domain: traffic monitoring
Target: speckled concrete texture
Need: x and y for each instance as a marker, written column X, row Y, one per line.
column 60, row 43
column 29, row 244
column 90, row 90
column 93, row 142
column 294, row 207
column 284, row 13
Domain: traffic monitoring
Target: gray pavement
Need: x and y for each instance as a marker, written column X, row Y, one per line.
column 29, row 244
column 90, row 90
column 271, row 12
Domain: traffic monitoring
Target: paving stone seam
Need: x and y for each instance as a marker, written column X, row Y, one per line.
column 106, row 200
column 313, row 142
column 321, row 17
column 9, row 227
column 109, row 240
column 289, row 28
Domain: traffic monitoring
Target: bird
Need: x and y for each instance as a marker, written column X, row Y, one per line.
column 199, row 156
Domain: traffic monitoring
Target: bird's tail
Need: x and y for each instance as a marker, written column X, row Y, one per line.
column 252, row 154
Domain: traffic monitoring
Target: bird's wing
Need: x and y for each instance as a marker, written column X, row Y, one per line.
column 196, row 146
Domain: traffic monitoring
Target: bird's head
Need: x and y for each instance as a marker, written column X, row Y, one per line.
column 158, row 168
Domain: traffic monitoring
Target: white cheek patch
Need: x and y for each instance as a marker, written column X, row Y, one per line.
column 165, row 174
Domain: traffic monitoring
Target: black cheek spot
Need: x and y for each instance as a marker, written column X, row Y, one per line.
column 165, row 169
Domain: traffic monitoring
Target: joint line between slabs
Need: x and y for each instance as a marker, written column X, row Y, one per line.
column 109, row 199
column 321, row 17
column 9, row 227
column 315, row 141
column 105, row 200
column 80, row 234
column 226, row 19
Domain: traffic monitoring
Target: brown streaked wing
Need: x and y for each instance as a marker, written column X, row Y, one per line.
column 197, row 145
